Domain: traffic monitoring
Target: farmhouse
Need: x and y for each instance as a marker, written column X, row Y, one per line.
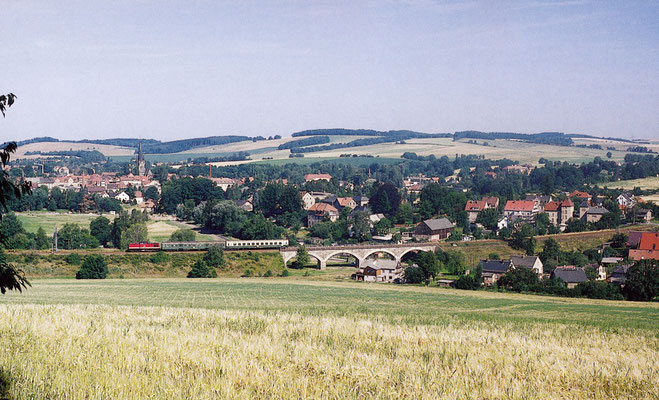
column 570, row 274
column 379, row 271
column 433, row 229
column 559, row 212
column 474, row 207
column 647, row 248
column 530, row 262
column 493, row 269
column 594, row 214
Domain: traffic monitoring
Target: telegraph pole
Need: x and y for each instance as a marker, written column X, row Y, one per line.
column 55, row 238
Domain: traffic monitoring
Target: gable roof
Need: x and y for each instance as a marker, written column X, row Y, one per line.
column 475, row 205
column 569, row 274
column 582, row 195
column 438, row 223
column 524, row 261
column 520, row 205
column 597, row 210
column 322, row 208
column 499, row 266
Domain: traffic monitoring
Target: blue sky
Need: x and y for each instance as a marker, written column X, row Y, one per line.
column 170, row 70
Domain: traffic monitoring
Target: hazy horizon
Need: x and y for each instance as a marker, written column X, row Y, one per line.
column 92, row 70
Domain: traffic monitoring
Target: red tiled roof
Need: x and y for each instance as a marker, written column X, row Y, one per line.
column 473, row 205
column 649, row 241
column 321, row 208
column 310, row 177
column 577, row 193
column 519, row 205
column 552, row 206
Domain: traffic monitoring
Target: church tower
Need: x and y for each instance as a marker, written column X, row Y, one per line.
column 141, row 164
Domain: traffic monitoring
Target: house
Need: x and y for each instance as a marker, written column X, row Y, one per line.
column 647, row 248
column 520, row 209
column 626, row 199
column 361, row 201
column 148, row 205
column 517, row 169
column 569, row 274
column 559, row 212
column 594, row 214
column 643, row 214
column 502, row 223
column 307, row 200
column 317, row 177
column 343, row 202
column 600, row 269
column 583, row 207
column 474, row 207
column 224, row 183
column 540, row 200
column 493, row 269
column 319, row 211
column 379, row 271
column 531, row 262
column 139, row 199
column 123, row 197
column 580, row 195
column 245, row 205
column 619, row 274
column 433, row 229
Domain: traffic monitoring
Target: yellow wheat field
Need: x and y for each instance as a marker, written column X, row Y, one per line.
column 135, row 352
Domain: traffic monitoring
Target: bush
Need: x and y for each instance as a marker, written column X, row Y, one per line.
column 94, row 267
column 183, row 235
column 5, row 385
column 466, row 282
column 247, row 273
column 518, row 279
column 268, row 273
column 214, row 257
column 201, row 270
column 159, row 258
column 285, row 273
column 73, row 259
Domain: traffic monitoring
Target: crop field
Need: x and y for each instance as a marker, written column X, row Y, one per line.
column 282, row 338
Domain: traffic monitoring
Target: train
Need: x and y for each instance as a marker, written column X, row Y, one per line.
column 202, row 246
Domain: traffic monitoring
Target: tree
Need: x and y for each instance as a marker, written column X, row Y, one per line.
column 428, row 263
column 361, row 226
column 302, row 258
column 101, row 229
column 11, row 278
column 136, row 233
column 642, row 283
column 41, row 240
column 619, row 240
column 518, row 279
column 609, row 154
column 488, row 218
column 414, row 275
column 542, row 223
column 71, row 236
column 523, row 239
column 10, row 226
column 183, row 235
column 94, row 267
column 214, row 257
column 201, row 270
column 386, row 200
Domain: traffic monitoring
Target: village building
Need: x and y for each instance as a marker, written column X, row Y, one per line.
column 343, row 202
column 580, row 195
column 123, row 197
column 139, row 199
column 571, row 275
column 319, row 211
column 434, row 229
column 529, row 262
column 224, row 183
column 245, row 205
column 647, row 247
column 474, row 207
column 317, row 177
column 619, row 274
column 626, row 199
column 594, row 214
column 520, row 210
column 492, row 270
column 559, row 212
column 379, row 271
column 307, row 200
column 540, row 200
column 361, row 201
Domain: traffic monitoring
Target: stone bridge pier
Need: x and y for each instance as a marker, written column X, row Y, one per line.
column 360, row 252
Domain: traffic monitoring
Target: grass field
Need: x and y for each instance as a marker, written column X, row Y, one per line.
column 649, row 183
column 283, row 338
column 49, row 220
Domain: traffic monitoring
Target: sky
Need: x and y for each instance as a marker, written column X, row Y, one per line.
column 171, row 70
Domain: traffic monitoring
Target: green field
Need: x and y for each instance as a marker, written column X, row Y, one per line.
column 649, row 183
column 291, row 338
column 49, row 220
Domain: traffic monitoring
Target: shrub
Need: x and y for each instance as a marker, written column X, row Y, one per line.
column 214, row 257
column 183, row 235
column 518, row 279
column 5, row 385
column 285, row 273
column 159, row 258
column 201, row 270
column 466, row 282
column 73, row 259
column 94, row 267
column 268, row 273
column 247, row 273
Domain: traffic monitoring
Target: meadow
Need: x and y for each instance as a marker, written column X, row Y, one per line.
column 285, row 338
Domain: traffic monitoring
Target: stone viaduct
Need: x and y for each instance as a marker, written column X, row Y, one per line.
column 360, row 252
